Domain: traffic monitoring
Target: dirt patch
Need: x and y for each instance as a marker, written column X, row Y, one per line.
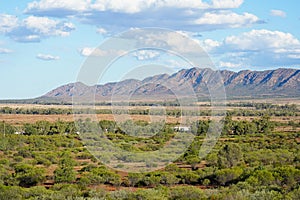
column 18, row 119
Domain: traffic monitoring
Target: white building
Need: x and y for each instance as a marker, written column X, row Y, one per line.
column 182, row 128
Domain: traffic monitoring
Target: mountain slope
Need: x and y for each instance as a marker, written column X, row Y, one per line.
column 243, row 84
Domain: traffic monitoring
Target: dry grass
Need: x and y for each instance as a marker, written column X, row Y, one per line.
column 21, row 119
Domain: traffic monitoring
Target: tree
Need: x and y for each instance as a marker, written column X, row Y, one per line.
column 228, row 124
column 287, row 176
column 11, row 192
column 261, row 177
column 134, row 178
column 188, row 177
column 4, row 176
column 264, row 125
column 37, row 192
column 107, row 125
column 186, row 192
column 295, row 194
column 66, row 160
column 6, row 128
column 29, row 129
column 212, row 159
column 64, row 175
column 101, row 175
column 149, row 194
column 193, row 161
column 200, row 127
column 43, row 127
column 28, row 175
column 65, row 172
column 152, row 180
column 230, row 155
column 169, row 178
column 224, row 176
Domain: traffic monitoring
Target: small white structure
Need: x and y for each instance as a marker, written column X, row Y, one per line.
column 19, row 133
column 182, row 128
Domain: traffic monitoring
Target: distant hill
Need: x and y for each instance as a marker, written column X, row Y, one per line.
column 238, row 85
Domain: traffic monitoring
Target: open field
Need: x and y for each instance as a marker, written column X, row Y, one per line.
column 18, row 119
column 277, row 101
column 21, row 119
column 202, row 106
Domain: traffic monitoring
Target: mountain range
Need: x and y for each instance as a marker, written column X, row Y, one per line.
column 283, row 82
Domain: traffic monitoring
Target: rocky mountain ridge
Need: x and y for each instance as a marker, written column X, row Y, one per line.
column 281, row 82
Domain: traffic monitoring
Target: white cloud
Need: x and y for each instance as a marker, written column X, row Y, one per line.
column 209, row 44
column 5, row 51
column 229, row 64
column 278, row 13
column 7, row 23
column 88, row 51
column 48, row 27
column 177, row 64
column 66, row 7
column 132, row 6
column 256, row 48
column 294, row 56
column 186, row 15
column 227, row 3
column 70, row 7
column 47, row 57
column 146, row 54
column 136, row 6
column 162, row 39
column 102, row 31
column 227, row 19
column 33, row 29
column 263, row 40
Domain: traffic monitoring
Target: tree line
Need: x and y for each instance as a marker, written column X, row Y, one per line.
column 287, row 110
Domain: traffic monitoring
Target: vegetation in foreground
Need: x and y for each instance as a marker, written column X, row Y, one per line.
column 252, row 160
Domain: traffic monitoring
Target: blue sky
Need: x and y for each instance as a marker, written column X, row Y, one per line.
column 43, row 44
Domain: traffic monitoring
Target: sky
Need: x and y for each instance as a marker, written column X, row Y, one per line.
column 43, row 44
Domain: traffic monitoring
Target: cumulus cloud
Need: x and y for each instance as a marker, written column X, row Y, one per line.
column 88, row 51
column 47, row 26
column 136, row 6
column 227, row 19
column 162, row 39
column 278, row 13
column 47, row 57
column 58, row 8
column 33, row 29
column 256, row 48
column 256, row 40
column 146, row 55
column 187, row 15
column 227, row 3
column 209, row 45
column 70, row 7
column 7, row 23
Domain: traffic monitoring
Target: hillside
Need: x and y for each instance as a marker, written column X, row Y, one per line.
column 244, row 84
